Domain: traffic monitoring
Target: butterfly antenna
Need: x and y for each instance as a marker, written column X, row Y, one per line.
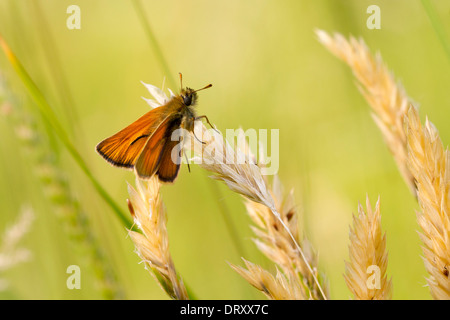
column 205, row 87
column 181, row 80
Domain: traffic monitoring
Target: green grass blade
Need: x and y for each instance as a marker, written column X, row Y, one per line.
column 437, row 26
column 55, row 68
column 50, row 117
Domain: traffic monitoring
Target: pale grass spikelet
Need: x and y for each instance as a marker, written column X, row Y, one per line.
column 429, row 163
column 277, row 245
column 367, row 250
column 277, row 221
column 10, row 253
column 152, row 245
column 275, row 288
column 385, row 95
column 231, row 166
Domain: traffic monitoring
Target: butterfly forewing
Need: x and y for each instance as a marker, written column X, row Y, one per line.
column 123, row 148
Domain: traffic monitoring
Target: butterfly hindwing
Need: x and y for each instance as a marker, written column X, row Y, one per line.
column 157, row 151
column 170, row 161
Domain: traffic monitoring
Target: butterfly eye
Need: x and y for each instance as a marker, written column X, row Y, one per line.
column 187, row 100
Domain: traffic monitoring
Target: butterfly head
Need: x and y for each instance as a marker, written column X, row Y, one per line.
column 189, row 96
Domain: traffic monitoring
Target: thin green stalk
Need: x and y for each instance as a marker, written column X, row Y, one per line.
column 190, row 293
column 437, row 26
column 165, row 66
column 153, row 42
column 223, row 208
column 51, row 118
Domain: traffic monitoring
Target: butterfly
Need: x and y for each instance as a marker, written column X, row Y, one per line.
column 146, row 145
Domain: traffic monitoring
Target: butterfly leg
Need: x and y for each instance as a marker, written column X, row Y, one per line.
column 187, row 161
column 198, row 138
column 207, row 121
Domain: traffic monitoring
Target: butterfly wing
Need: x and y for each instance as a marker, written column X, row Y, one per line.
column 123, row 148
column 156, row 155
column 168, row 168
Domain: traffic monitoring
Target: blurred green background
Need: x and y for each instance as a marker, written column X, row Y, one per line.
column 268, row 72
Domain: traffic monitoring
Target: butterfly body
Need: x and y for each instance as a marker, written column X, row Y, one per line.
column 146, row 145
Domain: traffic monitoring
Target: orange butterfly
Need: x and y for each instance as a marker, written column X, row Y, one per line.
column 146, row 144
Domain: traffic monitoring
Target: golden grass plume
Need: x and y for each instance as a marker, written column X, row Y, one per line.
column 429, row 163
column 417, row 149
column 365, row 273
column 152, row 245
column 385, row 95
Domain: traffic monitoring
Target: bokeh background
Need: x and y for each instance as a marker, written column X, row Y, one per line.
column 268, row 72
